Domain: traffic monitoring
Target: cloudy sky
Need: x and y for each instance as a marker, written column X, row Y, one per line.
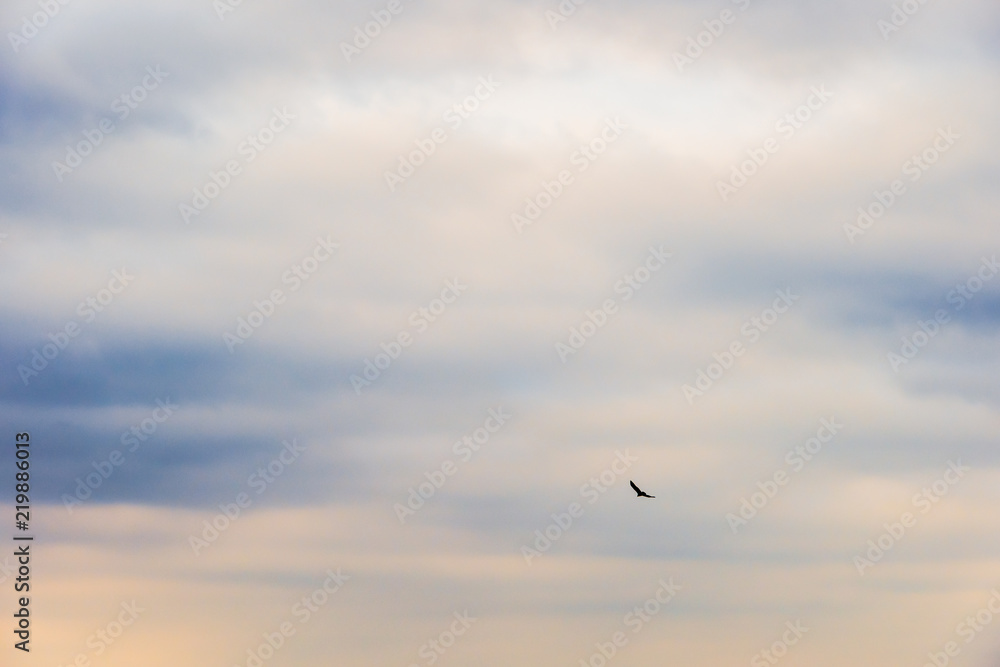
column 339, row 330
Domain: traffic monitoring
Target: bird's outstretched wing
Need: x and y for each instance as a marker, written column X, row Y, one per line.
column 638, row 492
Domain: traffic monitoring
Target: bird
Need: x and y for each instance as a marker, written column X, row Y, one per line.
column 639, row 493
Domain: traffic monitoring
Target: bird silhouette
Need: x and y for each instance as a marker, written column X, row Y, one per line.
column 639, row 493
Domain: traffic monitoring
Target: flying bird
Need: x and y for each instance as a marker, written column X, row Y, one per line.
column 639, row 493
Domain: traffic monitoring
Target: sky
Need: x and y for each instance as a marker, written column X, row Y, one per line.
column 339, row 330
